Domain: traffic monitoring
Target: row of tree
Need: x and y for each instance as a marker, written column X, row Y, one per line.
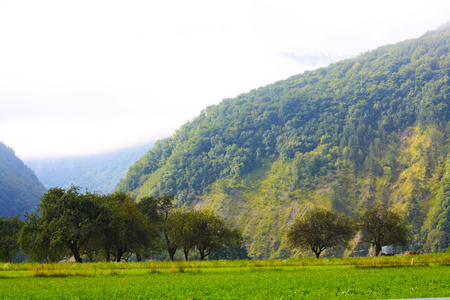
column 111, row 227
column 320, row 229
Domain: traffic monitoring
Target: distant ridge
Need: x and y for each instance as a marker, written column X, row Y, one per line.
column 20, row 189
column 100, row 172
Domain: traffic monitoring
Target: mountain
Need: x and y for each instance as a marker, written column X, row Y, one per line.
column 20, row 190
column 374, row 128
column 101, row 172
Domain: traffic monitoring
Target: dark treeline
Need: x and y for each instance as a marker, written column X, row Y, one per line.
column 111, row 227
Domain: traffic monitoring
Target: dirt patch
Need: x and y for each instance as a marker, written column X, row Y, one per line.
column 199, row 203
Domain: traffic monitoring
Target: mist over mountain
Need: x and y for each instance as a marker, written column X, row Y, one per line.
column 372, row 129
column 20, row 189
column 100, row 172
column 315, row 60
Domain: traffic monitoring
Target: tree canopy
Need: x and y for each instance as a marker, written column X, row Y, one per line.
column 9, row 234
column 383, row 227
column 318, row 230
column 209, row 233
column 70, row 222
column 203, row 231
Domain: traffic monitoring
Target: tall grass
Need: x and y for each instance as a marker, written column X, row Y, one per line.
column 103, row 268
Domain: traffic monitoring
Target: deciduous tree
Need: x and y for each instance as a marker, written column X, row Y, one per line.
column 9, row 231
column 238, row 251
column 158, row 211
column 70, row 216
column 212, row 233
column 36, row 240
column 383, row 227
column 183, row 230
column 318, row 230
column 122, row 226
column 64, row 218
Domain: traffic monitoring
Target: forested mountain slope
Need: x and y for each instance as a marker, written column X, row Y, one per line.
column 100, row 172
column 372, row 128
column 20, row 190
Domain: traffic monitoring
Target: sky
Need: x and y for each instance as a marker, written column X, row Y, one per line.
column 86, row 77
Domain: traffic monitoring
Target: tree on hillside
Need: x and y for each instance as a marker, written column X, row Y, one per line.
column 437, row 226
column 9, row 232
column 319, row 229
column 382, row 227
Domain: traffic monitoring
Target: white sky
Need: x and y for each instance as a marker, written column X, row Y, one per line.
column 81, row 77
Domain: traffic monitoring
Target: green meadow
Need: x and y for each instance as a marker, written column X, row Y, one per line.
column 350, row 278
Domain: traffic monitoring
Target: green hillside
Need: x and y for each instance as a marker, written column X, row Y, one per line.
column 20, row 190
column 372, row 128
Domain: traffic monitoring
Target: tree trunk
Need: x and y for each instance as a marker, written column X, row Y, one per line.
column 77, row 257
column 75, row 251
column 8, row 257
column 138, row 256
column 202, row 254
column 172, row 252
column 317, row 250
column 121, row 251
column 91, row 257
column 377, row 249
column 186, row 254
column 170, row 249
column 107, row 256
column 119, row 254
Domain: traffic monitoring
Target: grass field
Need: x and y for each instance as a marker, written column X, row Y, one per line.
column 350, row 278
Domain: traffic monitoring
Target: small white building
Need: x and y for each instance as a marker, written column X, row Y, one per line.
column 387, row 250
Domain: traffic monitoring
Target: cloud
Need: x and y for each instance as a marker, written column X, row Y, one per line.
column 84, row 76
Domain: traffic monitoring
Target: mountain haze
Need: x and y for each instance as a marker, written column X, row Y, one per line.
column 100, row 172
column 369, row 129
column 20, row 190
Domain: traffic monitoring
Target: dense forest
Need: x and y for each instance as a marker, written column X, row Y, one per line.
column 364, row 130
column 100, row 172
column 20, row 190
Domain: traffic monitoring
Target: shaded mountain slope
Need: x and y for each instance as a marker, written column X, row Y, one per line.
column 20, row 190
column 372, row 128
